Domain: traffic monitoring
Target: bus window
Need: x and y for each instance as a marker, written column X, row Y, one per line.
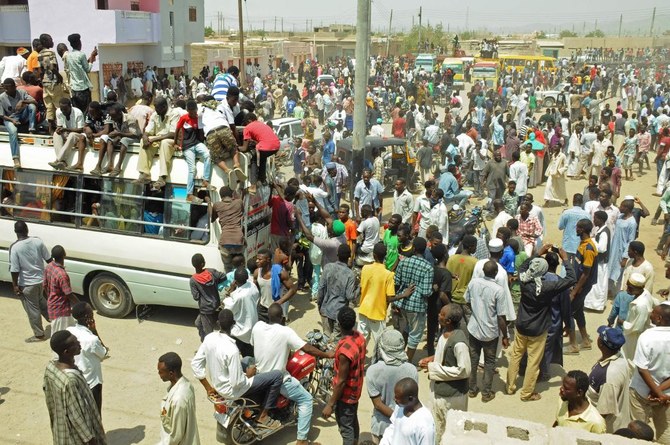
column 29, row 194
column 112, row 198
column 182, row 213
column 7, row 193
column 154, row 210
column 64, row 201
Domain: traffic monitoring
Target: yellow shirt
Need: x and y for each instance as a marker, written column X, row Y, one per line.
column 376, row 284
column 32, row 63
column 590, row 420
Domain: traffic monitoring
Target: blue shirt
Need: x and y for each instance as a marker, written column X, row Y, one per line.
column 620, row 309
column 328, row 152
column 568, row 224
column 507, row 259
column 368, row 194
column 449, row 185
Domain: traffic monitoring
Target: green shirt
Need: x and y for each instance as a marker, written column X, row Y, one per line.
column 391, row 243
column 461, row 268
column 515, row 288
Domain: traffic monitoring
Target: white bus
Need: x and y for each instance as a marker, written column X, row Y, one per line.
column 118, row 255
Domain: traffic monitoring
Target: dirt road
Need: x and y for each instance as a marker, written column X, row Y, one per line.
column 132, row 390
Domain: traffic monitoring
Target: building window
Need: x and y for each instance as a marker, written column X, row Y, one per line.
column 192, row 14
column 134, row 5
column 103, row 4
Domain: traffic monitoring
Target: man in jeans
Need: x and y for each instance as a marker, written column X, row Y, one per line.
column 190, row 137
column 218, row 361
column 16, row 107
column 273, row 342
column 348, row 379
column 26, row 264
column 487, row 301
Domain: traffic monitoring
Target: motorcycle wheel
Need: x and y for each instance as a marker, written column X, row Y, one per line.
column 239, row 434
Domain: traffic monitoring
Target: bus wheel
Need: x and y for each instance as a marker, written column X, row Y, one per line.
column 110, row 296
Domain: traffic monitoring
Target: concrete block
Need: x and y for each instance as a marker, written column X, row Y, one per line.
column 572, row 436
column 468, row 428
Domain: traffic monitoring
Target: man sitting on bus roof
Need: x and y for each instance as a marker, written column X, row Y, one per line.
column 123, row 131
column 69, row 134
column 16, row 108
column 158, row 137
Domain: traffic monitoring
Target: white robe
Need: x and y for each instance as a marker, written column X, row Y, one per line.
column 574, row 147
column 597, row 296
column 178, row 420
column 555, row 189
column 637, row 322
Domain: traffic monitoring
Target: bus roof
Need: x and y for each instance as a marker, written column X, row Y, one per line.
column 485, row 65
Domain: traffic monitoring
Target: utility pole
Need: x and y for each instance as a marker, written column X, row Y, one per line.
column 388, row 36
column 282, row 25
column 653, row 19
column 360, row 83
column 620, row 23
column 467, row 18
column 419, row 26
column 306, row 25
column 595, row 27
column 242, row 60
column 275, row 23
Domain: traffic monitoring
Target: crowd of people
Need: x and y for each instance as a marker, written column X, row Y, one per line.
column 470, row 297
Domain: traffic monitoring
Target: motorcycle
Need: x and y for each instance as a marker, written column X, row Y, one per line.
column 462, row 222
column 235, row 424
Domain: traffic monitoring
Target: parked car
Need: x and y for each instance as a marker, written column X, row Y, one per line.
column 550, row 98
column 287, row 127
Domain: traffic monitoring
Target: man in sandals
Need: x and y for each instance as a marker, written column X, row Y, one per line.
column 158, row 138
column 69, row 133
column 218, row 361
column 534, row 318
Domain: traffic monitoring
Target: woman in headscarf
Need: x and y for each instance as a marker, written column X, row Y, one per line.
column 538, row 151
column 390, row 366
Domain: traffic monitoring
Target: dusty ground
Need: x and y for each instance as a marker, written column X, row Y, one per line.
column 133, row 391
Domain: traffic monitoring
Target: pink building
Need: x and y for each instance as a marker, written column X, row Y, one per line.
column 128, row 33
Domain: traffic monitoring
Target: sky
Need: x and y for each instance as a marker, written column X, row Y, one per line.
column 496, row 16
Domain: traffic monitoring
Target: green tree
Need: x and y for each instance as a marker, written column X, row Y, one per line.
column 430, row 34
column 209, row 31
column 540, row 35
column 596, row 33
column 567, row 33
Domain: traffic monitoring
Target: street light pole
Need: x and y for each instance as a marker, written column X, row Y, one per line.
column 360, row 84
column 242, row 65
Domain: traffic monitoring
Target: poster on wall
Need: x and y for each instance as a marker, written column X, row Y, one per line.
column 111, row 68
column 135, row 65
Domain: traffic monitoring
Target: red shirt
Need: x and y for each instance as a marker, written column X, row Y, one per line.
column 189, row 131
column 353, row 348
column 263, row 135
column 663, row 147
column 57, row 287
column 33, row 91
column 282, row 216
column 398, row 128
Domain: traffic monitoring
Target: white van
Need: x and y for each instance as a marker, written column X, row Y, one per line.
column 425, row 62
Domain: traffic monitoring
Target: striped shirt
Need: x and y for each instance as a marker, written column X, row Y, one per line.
column 221, row 85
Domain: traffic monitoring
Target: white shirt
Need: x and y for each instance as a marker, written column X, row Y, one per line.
column 653, row 354
column 272, row 345
column 75, row 121
column 179, row 424
column 243, row 302
column 503, row 280
column 14, row 67
column 377, row 131
column 91, row 356
column 218, row 360
column 518, row 172
column 500, row 221
column 211, row 119
column 440, row 217
column 403, row 205
column 369, row 228
column 417, row 429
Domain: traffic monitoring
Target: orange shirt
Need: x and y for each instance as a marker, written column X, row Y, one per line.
column 32, row 63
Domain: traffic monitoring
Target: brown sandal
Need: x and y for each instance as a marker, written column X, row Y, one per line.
column 532, row 398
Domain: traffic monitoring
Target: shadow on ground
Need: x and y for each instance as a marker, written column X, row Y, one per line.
column 126, row 436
